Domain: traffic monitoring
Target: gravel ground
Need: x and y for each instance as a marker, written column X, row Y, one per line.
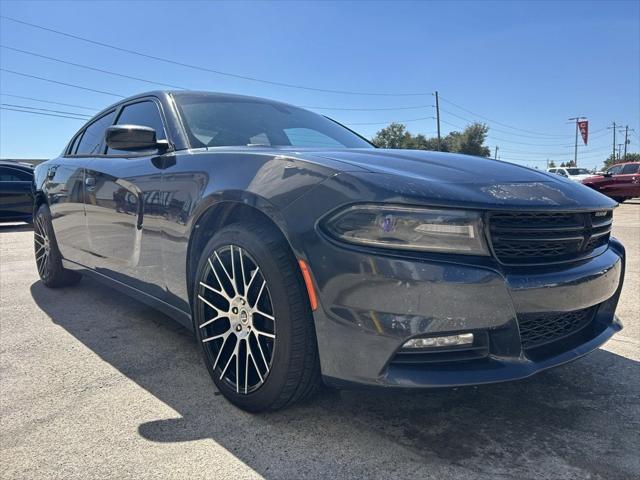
column 96, row 385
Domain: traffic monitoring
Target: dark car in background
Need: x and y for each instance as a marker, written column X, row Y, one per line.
column 299, row 253
column 620, row 182
column 16, row 200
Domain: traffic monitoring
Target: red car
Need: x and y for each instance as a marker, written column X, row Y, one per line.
column 620, row 182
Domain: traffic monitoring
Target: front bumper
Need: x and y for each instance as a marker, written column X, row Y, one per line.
column 377, row 301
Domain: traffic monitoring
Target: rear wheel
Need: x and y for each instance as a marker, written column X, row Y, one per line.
column 253, row 320
column 48, row 258
column 619, row 199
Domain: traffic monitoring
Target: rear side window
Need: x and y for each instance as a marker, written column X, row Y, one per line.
column 552, row 170
column 631, row 168
column 145, row 114
column 615, row 170
column 8, row 174
column 92, row 139
column 74, row 145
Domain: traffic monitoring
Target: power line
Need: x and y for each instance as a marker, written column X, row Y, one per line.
column 244, row 77
column 45, row 110
column 584, row 153
column 153, row 82
column 500, row 123
column 415, row 107
column 494, row 128
column 206, row 69
column 95, row 69
column 512, row 141
column 42, row 113
column 60, row 83
column 181, row 87
column 49, row 101
column 393, row 121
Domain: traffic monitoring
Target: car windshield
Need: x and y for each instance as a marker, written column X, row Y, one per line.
column 221, row 121
column 577, row 171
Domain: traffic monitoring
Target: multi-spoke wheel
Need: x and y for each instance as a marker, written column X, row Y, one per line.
column 253, row 320
column 48, row 258
column 42, row 244
column 239, row 327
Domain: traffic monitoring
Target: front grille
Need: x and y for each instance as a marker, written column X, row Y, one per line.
column 521, row 238
column 538, row 329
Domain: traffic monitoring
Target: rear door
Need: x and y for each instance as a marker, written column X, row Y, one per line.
column 124, row 206
column 627, row 182
column 64, row 187
column 15, row 193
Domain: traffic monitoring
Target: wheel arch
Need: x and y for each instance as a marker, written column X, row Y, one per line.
column 39, row 198
column 220, row 214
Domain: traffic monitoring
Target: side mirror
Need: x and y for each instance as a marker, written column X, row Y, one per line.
column 133, row 138
column 607, row 175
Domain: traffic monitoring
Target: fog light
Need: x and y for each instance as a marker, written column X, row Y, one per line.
column 447, row 341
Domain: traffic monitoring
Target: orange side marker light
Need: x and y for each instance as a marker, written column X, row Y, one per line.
column 306, row 274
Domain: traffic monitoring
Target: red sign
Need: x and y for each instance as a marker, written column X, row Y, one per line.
column 583, row 125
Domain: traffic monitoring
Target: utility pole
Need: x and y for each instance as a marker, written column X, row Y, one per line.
column 438, row 120
column 619, row 149
column 613, row 155
column 495, row 155
column 626, row 140
column 575, row 150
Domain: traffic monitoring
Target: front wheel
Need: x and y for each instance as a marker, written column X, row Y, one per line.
column 48, row 257
column 253, row 319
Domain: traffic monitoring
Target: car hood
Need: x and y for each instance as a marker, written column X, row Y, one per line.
column 435, row 166
column 451, row 179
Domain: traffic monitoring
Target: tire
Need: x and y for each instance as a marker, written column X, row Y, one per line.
column 258, row 339
column 619, row 199
column 48, row 257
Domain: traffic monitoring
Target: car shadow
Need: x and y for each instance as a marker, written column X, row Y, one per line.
column 579, row 418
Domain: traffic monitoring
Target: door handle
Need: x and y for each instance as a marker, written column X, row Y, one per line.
column 90, row 182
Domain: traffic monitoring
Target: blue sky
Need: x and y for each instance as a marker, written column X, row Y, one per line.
column 528, row 65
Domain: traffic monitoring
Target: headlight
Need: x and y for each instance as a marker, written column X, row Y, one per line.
column 410, row 228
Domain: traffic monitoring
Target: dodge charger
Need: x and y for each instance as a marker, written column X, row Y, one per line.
column 300, row 254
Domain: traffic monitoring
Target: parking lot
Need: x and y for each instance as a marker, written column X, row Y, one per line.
column 96, row 385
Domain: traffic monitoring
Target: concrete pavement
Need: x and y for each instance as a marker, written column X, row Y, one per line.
column 96, row 385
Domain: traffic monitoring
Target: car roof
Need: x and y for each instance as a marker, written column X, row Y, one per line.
column 623, row 164
column 10, row 163
column 184, row 93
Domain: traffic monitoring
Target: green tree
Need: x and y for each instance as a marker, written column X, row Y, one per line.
column 393, row 136
column 470, row 141
column 552, row 164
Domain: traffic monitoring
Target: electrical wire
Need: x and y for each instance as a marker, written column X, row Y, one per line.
column 48, row 101
column 45, row 110
column 206, row 69
column 42, row 113
column 60, row 83
column 95, row 69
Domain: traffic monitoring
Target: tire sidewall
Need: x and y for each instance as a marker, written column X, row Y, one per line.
column 53, row 263
column 262, row 252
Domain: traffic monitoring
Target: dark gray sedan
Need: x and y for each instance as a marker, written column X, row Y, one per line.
column 16, row 201
column 299, row 253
